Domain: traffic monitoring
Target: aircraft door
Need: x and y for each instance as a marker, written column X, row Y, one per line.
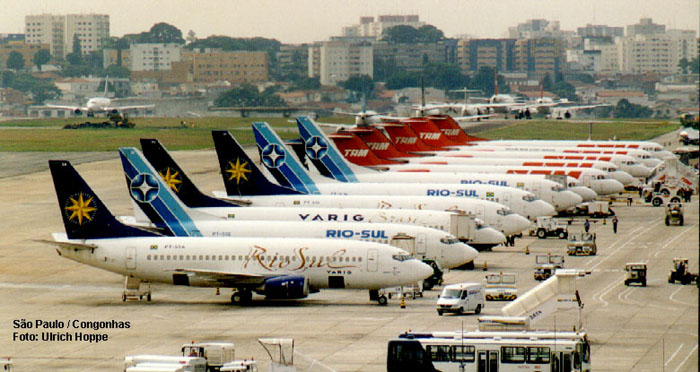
column 506, row 200
column 487, row 361
column 130, row 258
column 372, row 259
column 421, row 244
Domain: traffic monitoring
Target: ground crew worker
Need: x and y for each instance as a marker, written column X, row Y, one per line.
column 614, row 221
column 587, row 225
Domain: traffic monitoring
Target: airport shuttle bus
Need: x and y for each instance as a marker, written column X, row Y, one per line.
column 490, row 352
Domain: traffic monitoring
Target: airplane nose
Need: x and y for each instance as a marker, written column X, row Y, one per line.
column 469, row 253
column 419, row 271
column 487, row 236
column 545, row 209
column 515, row 224
column 584, row 192
column 613, row 186
column 568, row 200
column 640, row 171
column 624, row 177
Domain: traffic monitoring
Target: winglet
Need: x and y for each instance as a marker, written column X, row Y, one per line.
column 241, row 176
column 84, row 215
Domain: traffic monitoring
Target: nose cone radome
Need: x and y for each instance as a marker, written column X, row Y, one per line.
column 457, row 255
column 584, row 192
column 488, row 235
column 663, row 154
column 638, row 170
column 418, row 271
column 544, row 208
column 607, row 186
column 514, row 224
column 566, row 199
column 622, row 176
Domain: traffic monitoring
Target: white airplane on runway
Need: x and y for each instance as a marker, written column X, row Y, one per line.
column 653, row 148
column 100, row 105
column 278, row 268
column 172, row 217
column 259, row 191
column 465, row 227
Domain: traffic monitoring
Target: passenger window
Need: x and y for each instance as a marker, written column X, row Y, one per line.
column 206, row 257
column 463, row 353
column 167, row 257
column 538, row 355
column 220, row 259
column 201, row 257
column 226, row 257
column 187, row 257
column 512, row 354
column 181, row 257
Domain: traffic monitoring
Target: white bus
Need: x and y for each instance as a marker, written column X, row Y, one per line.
column 490, row 352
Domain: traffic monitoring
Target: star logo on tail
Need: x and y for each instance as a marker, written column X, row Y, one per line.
column 81, row 208
column 171, row 178
column 273, row 156
column 238, row 171
column 316, row 147
column 144, row 188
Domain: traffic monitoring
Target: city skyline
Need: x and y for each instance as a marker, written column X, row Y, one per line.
column 306, row 21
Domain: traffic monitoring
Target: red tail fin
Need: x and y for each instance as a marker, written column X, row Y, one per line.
column 453, row 131
column 356, row 151
column 429, row 133
column 405, row 139
column 380, row 144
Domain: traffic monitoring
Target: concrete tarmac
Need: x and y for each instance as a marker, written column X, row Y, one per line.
column 631, row 328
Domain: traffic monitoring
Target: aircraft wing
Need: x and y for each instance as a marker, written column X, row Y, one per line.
column 472, row 117
column 71, row 108
column 230, row 278
column 583, row 107
column 128, row 108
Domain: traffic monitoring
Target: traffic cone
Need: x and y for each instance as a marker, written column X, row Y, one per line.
column 485, row 267
column 605, row 221
column 217, row 291
column 403, row 302
column 527, row 249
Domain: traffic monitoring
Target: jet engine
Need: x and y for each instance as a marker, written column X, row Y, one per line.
column 286, row 287
column 77, row 112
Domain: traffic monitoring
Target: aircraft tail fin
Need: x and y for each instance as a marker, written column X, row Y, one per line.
column 176, row 178
column 155, row 197
column 281, row 162
column 324, row 154
column 84, row 215
column 241, row 176
column 356, row 150
column 106, row 86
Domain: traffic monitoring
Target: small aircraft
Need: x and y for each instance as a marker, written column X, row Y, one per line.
column 100, row 105
column 277, row 268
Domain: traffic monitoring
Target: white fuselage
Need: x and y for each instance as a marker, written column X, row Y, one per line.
column 364, row 265
column 653, row 148
column 440, row 220
column 98, row 104
column 493, row 214
column 623, row 162
column 427, row 242
column 521, row 202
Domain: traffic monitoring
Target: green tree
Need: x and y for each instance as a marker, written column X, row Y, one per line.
column 164, row 33
column 41, row 57
column 683, row 65
column 444, row 76
column 247, row 95
column 402, row 79
column 429, row 34
column 39, row 89
column 627, row 110
column 75, row 57
column 117, row 71
column 547, row 82
column 565, row 90
column 400, row 34
column 15, row 61
column 360, row 85
column 306, row 83
column 483, row 81
column 695, row 65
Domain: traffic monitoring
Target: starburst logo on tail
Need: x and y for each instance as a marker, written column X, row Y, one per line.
column 80, row 208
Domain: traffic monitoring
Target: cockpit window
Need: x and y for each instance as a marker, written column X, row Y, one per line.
column 449, row 240
column 529, row 198
column 504, row 212
column 402, row 257
column 600, row 177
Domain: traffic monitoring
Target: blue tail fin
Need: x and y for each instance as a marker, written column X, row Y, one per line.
column 84, row 215
column 176, row 178
column 241, row 176
column 154, row 197
column 323, row 153
column 280, row 161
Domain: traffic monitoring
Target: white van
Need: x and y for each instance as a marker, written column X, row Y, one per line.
column 458, row 298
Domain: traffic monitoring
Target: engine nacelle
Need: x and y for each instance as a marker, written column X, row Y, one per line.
column 114, row 111
column 77, row 112
column 286, row 287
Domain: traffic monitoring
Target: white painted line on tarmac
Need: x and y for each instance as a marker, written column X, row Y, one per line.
column 674, row 354
column 603, row 259
column 686, row 358
column 626, row 293
column 689, row 228
column 679, row 302
column 609, row 288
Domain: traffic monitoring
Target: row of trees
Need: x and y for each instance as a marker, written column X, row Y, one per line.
column 15, row 60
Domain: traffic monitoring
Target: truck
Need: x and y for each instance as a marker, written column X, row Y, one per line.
column 501, row 287
column 240, row 366
column 546, row 265
column 636, row 273
column 674, row 214
column 215, row 353
column 679, row 272
column 546, row 226
column 594, row 208
column 582, row 244
column 460, row 298
column 189, row 363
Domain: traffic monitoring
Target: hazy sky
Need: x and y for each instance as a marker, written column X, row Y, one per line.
column 297, row 21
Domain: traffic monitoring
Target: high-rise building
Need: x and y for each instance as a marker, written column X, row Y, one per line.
column 369, row 27
column 153, row 56
column 600, row 31
column 645, row 27
column 495, row 53
column 410, row 57
column 539, row 56
column 337, row 60
column 59, row 32
column 656, row 52
column 211, row 66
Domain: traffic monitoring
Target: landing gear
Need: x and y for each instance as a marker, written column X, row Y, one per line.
column 382, row 300
column 241, row 297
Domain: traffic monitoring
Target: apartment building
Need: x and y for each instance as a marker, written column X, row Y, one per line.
column 410, row 57
column 369, row 27
column 58, row 31
column 153, row 56
column 539, row 56
column 656, row 52
column 26, row 50
column 338, row 60
column 235, row 67
column 475, row 53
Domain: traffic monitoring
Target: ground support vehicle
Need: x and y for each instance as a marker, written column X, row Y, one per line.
column 582, row 244
column 547, row 226
column 674, row 214
column 680, row 272
column 240, row 366
column 501, row 287
column 413, row 290
column 215, row 353
column 658, row 199
column 546, row 264
column 135, row 289
column 436, row 278
column 636, row 273
column 142, row 363
column 115, row 121
column 504, row 351
column 460, row 298
column 595, row 209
